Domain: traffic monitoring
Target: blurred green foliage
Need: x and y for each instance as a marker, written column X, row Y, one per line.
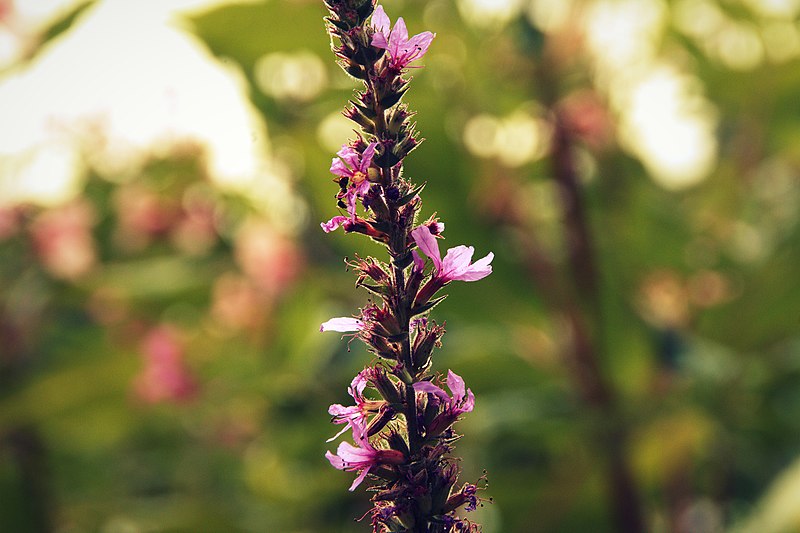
column 696, row 321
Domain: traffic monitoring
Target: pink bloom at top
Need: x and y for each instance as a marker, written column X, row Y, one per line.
column 363, row 457
column 457, row 264
column 402, row 50
column 354, row 165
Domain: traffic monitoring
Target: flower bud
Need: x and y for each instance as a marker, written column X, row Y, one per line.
column 426, row 340
column 397, row 444
column 385, row 414
column 382, row 347
column 427, row 291
column 385, row 386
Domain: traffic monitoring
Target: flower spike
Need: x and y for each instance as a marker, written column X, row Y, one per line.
column 401, row 421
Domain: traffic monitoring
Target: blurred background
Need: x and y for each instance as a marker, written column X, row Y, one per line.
column 633, row 164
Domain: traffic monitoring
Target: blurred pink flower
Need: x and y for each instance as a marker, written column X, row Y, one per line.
column 401, row 49
column 237, row 304
column 165, row 377
column 9, row 222
column 63, row 240
column 267, row 257
column 142, row 215
column 195, row 233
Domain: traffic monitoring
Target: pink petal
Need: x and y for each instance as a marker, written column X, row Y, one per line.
column 338, row 434
column 340, row 169
column 349, row 155
column 399, row 36
column 353, row 456
column 428, row 244
column 418, row 45
column 419, row 263
column 335, row 461
column 478, row 270
column 380, row 20
column 456, row 385
column 359, row 479
column 456, row 262
column 379, row 41
column 350, row 200
column 358, row 385
column 427, row 386
column 340, row 411
column 342, row 324
column 366, row 157
column 469, row 405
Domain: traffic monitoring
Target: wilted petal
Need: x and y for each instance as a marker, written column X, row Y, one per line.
column 469, row 403
column 332, row 224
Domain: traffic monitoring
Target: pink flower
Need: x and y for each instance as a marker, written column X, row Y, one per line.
column 457, row 264
column 355, row 414
column 462, row 401
column 355, row 167
column 165, row 377
column 402, row 50
column 269, row 258
column 64, row 242
column 363, row 457
column 343, row 324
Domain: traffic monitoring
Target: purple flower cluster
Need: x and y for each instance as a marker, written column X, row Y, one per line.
column 401, row 420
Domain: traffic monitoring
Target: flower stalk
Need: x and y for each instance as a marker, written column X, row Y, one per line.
column 402, row 420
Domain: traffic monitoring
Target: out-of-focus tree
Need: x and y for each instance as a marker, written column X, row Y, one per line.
column 632, row 163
